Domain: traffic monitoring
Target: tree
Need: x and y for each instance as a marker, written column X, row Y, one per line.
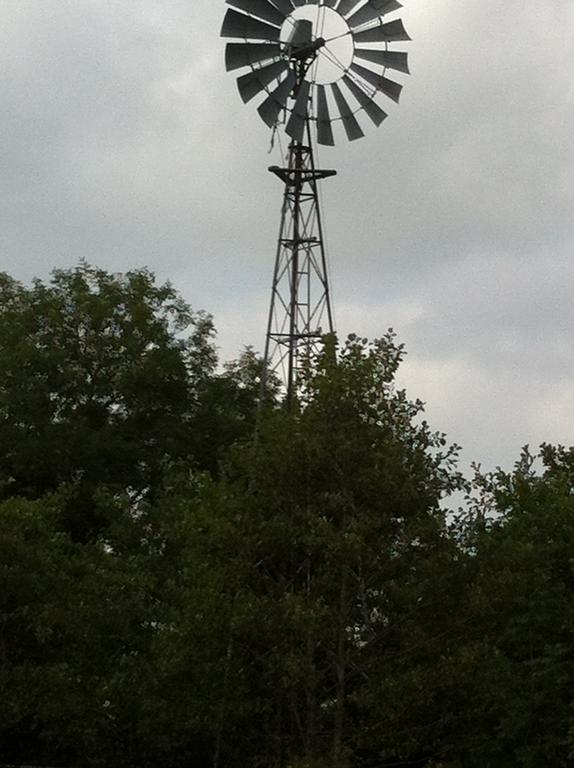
column 96, row 381
column 75, row 621
column 104, row 380
column 484, row 672
column 522, row 533
column 313, row 534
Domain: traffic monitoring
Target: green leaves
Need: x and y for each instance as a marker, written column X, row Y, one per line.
column 522, row 596
column 175, row 590
column 323, row 526
column 95, row 381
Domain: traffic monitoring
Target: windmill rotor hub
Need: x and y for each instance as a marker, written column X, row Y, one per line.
column 328, row 65
column 305, row 52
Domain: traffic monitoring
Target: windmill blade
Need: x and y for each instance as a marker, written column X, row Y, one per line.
column 277, row 100
column 383, row 84
column 301, row 106
column 376, row 114
column 374, row 78
column 373, row 9
column 239, row 55
column 390, row 88
column 346, row 6
column 238, row 25
column 261, row 8
column 295, row 127
column 352, row 127
column 391, row 32
column 389, row 59
column 296, row 124
column 253, row 82
column 285, row 6
column 324, row 129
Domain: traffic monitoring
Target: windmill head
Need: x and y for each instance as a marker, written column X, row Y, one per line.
column 273, row 37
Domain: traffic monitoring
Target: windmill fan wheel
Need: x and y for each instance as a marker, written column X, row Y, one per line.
column 282, row 44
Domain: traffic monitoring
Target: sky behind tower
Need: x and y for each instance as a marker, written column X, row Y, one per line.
column 124, row 142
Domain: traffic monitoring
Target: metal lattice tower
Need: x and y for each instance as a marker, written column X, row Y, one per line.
column 281, row 44
column 300, row 311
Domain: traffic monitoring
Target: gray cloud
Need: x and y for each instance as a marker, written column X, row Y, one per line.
column 123, row 141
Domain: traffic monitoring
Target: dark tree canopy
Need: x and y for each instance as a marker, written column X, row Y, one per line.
column 178, row 588
column 100, row 374
column 105, row 380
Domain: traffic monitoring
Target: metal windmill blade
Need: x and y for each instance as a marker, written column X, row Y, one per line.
column 372, row 109
column 239, row 25
column 390, row 32
column 299, row 114
column 260, row 8
column 352, row 127
column 324, row 128
column 373, row 9
column 279, row 46
column 254, row 82
column 275, row 103
column 239, row 55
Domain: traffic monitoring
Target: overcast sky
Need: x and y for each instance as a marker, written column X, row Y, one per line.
column 124, row 141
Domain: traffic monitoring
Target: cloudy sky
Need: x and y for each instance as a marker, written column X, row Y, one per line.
column 123, row 141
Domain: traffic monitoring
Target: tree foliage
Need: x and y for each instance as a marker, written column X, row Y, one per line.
column 522, row 603
column 106, row 379
column 178, row 588
column 328, row 516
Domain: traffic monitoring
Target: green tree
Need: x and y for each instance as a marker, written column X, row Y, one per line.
column 75, row 622
column 483, row 674
column 105, row 379
column 94, row 665
column 97, row 381
column 264, row 605
column 521, row 599
column 312, row 535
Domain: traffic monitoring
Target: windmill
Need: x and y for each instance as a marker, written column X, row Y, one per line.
column 317, row 64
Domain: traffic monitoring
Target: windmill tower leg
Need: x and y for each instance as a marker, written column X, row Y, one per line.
column 300, row 311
